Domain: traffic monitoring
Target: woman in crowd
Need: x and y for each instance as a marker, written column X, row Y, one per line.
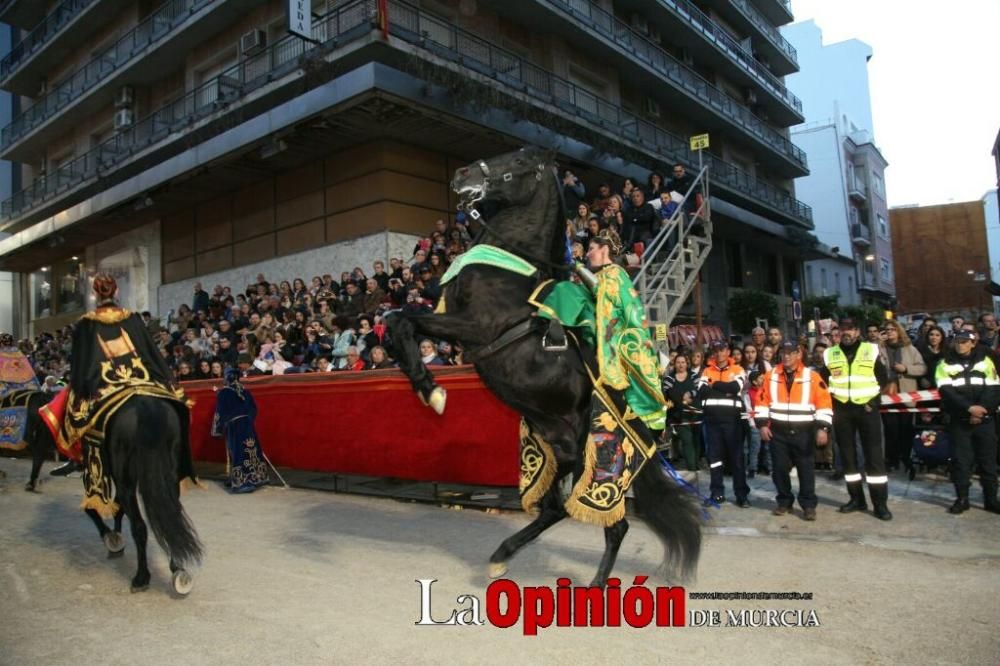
column 378, row 359
column 366, row 337
column 697, row 362
column 343, row 337
column 752, row 362
column 905, row 366
column 299, row 290
column 767, row 354
column 654, row 185
column 184, row 373
column 217, row 370
column 625, row 197
column 428, row 353
column 735, row 355
column 438, row 267
column 581, row 222
column 204, row 370
column 932, row 348
column 679, row 389
column 612, row 216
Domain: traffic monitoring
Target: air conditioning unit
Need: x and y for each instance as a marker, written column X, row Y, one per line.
column 687, row 58
column 125, row 97
column 750, row 96
column 651, row 107
column 253, row 42
column 640, row 24
column 124, row 118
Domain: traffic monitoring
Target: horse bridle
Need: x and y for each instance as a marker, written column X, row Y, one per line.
column 469, row 196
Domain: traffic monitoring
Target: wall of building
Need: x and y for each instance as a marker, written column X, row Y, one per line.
column 934, row 248
column 824, row 188
column 8, row 305
column 375, row 187
column 826, row 277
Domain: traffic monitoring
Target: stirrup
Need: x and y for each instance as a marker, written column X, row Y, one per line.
column 555, row 347
column 555, row 325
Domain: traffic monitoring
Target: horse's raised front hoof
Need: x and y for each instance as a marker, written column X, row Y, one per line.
column 114, row 542
column 183, row 582
column 437, row 400
column 497, row 569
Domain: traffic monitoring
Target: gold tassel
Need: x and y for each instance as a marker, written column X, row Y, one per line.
column 582, row 512
column 545, row 479
column 104, row 509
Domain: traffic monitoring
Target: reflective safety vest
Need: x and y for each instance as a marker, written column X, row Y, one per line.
column 853, row 382
column 962, row 375
column 806, row 402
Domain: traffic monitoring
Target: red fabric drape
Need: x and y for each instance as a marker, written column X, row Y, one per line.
column 373, row 424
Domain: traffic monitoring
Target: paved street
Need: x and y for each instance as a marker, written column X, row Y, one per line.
column 304, row 577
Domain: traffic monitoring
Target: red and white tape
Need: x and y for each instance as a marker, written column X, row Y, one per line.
column 911, row 397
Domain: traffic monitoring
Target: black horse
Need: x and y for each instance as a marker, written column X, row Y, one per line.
column 142, row 445
column 550, row 389
column 36, row 434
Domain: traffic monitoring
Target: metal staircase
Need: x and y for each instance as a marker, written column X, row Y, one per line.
column 671, row 263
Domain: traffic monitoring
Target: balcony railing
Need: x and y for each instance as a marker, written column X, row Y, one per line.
column 280, row 58
column 449, row 41
column 765, row 26
column 714, row 33
column 652, row 54
column 860, row 233
column 58, row 18
column 147, row 33
column 353, row 21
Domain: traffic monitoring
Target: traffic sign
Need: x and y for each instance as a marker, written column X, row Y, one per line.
column 661, row 332
column 797, row 310
column 699, row 142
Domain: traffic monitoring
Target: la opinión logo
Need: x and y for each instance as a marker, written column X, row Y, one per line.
column 566, row 605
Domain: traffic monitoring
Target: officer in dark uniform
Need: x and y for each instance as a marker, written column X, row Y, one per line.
column 970, row 394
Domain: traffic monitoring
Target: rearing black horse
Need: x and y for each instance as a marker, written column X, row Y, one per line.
column 550, row 389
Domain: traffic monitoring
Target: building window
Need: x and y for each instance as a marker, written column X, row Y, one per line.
column 883, row 228
column 822, row 281
column 850, row 289
column 810, row 285
column 41, row 293
column 59, row 289
column 836, row 283
column 886, row 270
column 878, row 185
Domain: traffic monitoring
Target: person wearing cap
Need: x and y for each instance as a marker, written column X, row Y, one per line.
column 720, row 389
column 794, row 404
column 857, row 377
column 970, row 394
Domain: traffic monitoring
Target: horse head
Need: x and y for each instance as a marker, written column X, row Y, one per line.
column 510, row 179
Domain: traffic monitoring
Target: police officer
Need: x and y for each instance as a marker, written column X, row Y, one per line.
column 719, row 394
column 970, row 395
column 857, row 377
column 794, row 404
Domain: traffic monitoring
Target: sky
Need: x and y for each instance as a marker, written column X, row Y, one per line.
column 934, row 88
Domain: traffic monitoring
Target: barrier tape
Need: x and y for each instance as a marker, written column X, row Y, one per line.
column 912, row 396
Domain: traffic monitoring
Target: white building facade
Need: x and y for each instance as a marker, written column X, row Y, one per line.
column 846, row 183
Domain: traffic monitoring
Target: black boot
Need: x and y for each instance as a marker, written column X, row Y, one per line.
column 857, row 502
column 961, row 504
column 66, row 469
column 990, row 502
column 880, row 500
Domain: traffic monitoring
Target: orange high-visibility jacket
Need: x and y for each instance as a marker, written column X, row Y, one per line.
column 807, row 402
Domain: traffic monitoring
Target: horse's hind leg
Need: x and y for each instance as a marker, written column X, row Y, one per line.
column 613, row 537
column 140, row 535
column 37, row 458
column 552, row 511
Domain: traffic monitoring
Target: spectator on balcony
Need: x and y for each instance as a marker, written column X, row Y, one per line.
column 419, row 257
column 641, row 223
column 573, row 191
column 601, row 200
column 299, row 289
column 217, row 370
column 378, row 359
column 184, row 373
column 432, row 285
column 438, row 266
column 354, row 362
column 317, row 342
column 669, row 202
column 182, row 318
column 415, row 303
column 323, row 364
column 203, row 370
column 366, row 337
column 654, row 185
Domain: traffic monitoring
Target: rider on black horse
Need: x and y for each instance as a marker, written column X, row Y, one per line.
column 113, row 358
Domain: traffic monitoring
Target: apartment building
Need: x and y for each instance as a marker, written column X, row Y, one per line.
column 846, row 184
column 183, row 140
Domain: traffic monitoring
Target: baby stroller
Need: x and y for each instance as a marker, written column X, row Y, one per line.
column 931, row 443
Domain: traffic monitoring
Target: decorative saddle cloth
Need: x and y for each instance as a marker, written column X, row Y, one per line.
column 14, row 418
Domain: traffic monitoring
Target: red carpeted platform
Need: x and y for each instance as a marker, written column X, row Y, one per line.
column 373, row 424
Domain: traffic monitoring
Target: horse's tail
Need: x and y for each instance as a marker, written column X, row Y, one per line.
column 156, row 464
column 675, row 518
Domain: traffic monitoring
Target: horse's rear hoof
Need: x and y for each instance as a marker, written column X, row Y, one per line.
column 183, row 582
column 30, row 487
column 497, row 569
column 139, row 588
column 115, row 544
column 438, row 399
